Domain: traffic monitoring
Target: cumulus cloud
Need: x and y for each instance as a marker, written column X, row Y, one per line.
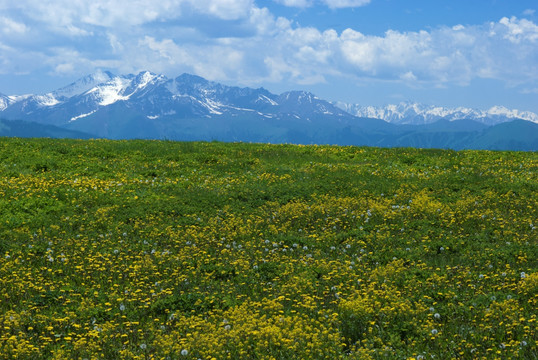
column 518, row 30
column 254, row 46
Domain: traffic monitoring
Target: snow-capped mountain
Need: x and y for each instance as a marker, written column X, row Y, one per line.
column 6, row 100
column 189, row 107
column 148, row 104
column 418, row 114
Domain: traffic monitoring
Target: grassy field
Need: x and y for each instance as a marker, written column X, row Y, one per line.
column 170, row 250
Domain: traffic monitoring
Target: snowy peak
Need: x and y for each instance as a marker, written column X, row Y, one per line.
column 111, row 91
column 512, row 114
column 84, row 84
column 146, row 78
column 419, row 114
column 4, row 101
column 121, row 88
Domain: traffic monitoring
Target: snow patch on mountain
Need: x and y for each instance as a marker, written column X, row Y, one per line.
column 4, row 102
column 265, row 99
column 146, row 78
column 212, row 106
column 46, row 100
column 74, row 118
column 112, row 91
column 418, row 114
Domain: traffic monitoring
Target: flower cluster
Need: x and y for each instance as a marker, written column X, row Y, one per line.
column 160, row 250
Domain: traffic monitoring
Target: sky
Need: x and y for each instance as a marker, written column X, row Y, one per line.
column 477, row 54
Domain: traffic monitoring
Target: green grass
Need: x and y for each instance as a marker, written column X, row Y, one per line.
column 165, row 250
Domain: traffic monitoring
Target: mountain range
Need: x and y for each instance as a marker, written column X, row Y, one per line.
column 188, row 107
column 413, row 113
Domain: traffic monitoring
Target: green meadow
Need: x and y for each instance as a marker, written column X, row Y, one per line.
column 207, row 250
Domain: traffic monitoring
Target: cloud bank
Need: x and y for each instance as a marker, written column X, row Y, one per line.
column 236, row 40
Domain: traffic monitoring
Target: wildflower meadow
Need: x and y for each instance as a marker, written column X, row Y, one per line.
column 206, row 250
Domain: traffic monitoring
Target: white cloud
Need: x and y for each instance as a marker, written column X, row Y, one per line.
column 517, row 30
column 337, row 4
column 9, row 26
column 254, row 46
column 529, row 12
column 111, row 13
column 505, row 50
column 295, row 3
column 65, row 68
column 409, row 77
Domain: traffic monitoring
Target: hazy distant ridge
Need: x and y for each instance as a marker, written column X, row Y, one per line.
column 417, row 114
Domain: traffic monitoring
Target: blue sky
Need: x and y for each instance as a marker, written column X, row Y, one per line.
column 476, row 53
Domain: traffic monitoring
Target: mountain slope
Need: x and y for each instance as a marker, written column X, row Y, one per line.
column 516, row 135
column 18, row 128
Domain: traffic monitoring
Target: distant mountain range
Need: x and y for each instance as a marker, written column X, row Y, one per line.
column 412, row 113
column 151, row 106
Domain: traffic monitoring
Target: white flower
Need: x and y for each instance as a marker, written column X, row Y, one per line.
column 437, row 315
column 435, row 332
column 184, row 352
column 523, row 275
column 122, row 307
